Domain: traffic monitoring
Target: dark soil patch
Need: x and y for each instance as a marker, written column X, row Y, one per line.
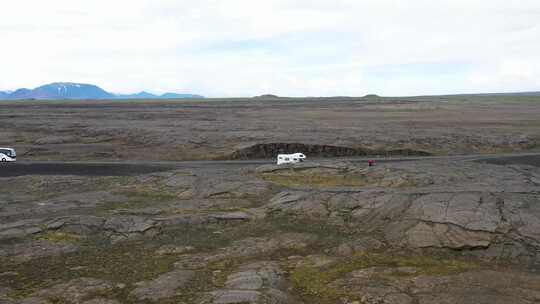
column 271, row 150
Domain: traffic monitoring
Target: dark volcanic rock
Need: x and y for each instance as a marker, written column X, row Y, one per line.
column 75, row 291
column 430, row 231
column 20, row 228
column 173, row 250
column 248, row 247
column 4, row 299
column 79, row 224
column 232, row 216
column 101, row 301
column 489, row 287
column 257, row 283
column 444, row 210
column 129, row 224
column 28, row 250
column 271, row 150
column 163, row 287
column 445, row 220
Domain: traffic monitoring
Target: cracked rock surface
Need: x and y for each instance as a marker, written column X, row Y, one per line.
column 163, row 287
column 475, row 211
column 419, row 232
column 260, row 282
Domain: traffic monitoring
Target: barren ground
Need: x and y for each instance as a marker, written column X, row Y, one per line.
column 225, row 129
column 433, row 230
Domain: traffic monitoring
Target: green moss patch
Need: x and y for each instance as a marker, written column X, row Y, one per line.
column 138, row 198
column 148, row 194
column 315, row 283
column 59, row 237
column 315, row 180
column 123, row 263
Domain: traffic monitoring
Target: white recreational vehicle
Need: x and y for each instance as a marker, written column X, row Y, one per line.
column 290, row 158
column 7, row 155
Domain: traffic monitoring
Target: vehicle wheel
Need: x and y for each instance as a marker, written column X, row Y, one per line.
column 3, row 159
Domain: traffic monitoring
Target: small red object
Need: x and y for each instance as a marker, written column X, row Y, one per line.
column 371, row 163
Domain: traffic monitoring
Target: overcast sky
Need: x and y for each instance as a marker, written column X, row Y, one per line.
column 290, row 48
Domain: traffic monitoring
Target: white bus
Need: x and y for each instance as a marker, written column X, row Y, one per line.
column 7, row 155
column 290, row 158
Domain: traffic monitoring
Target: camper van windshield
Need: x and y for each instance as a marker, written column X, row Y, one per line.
column 6, row 152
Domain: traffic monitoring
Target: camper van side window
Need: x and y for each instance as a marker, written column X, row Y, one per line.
column 287, row 159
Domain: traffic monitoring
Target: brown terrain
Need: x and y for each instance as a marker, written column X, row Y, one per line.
column 257, row 128
column 119, row 227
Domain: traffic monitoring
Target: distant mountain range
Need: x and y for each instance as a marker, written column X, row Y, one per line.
column 518, row 93
column 69, row 90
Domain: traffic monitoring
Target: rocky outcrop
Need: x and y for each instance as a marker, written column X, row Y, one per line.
column 248, row 247
column 488, row 287
column 75, row 291
column 271, row 150
column 382, row 279
column 340, row 175
column 464, row 220
column 165, row 286
column 33, row 249
column 462, row 206
column 20, row 228
column 117, row 227
column 127, row 226
column 232, row 189
column 78, row 224
column 52, row 140
column 257, row 283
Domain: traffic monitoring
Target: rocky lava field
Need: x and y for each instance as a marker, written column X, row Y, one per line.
column 259, row 128
column 424, row 231
column 428, row 231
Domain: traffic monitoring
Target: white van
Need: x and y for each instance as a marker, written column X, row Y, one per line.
column 290, row 158
column 7, row 155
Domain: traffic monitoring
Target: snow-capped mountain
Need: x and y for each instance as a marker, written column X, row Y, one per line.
column 69, row 90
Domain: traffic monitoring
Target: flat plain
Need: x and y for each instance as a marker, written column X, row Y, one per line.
column 232, row 128
column 127, row 223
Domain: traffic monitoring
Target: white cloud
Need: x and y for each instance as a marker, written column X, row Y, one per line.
column 302, row 47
